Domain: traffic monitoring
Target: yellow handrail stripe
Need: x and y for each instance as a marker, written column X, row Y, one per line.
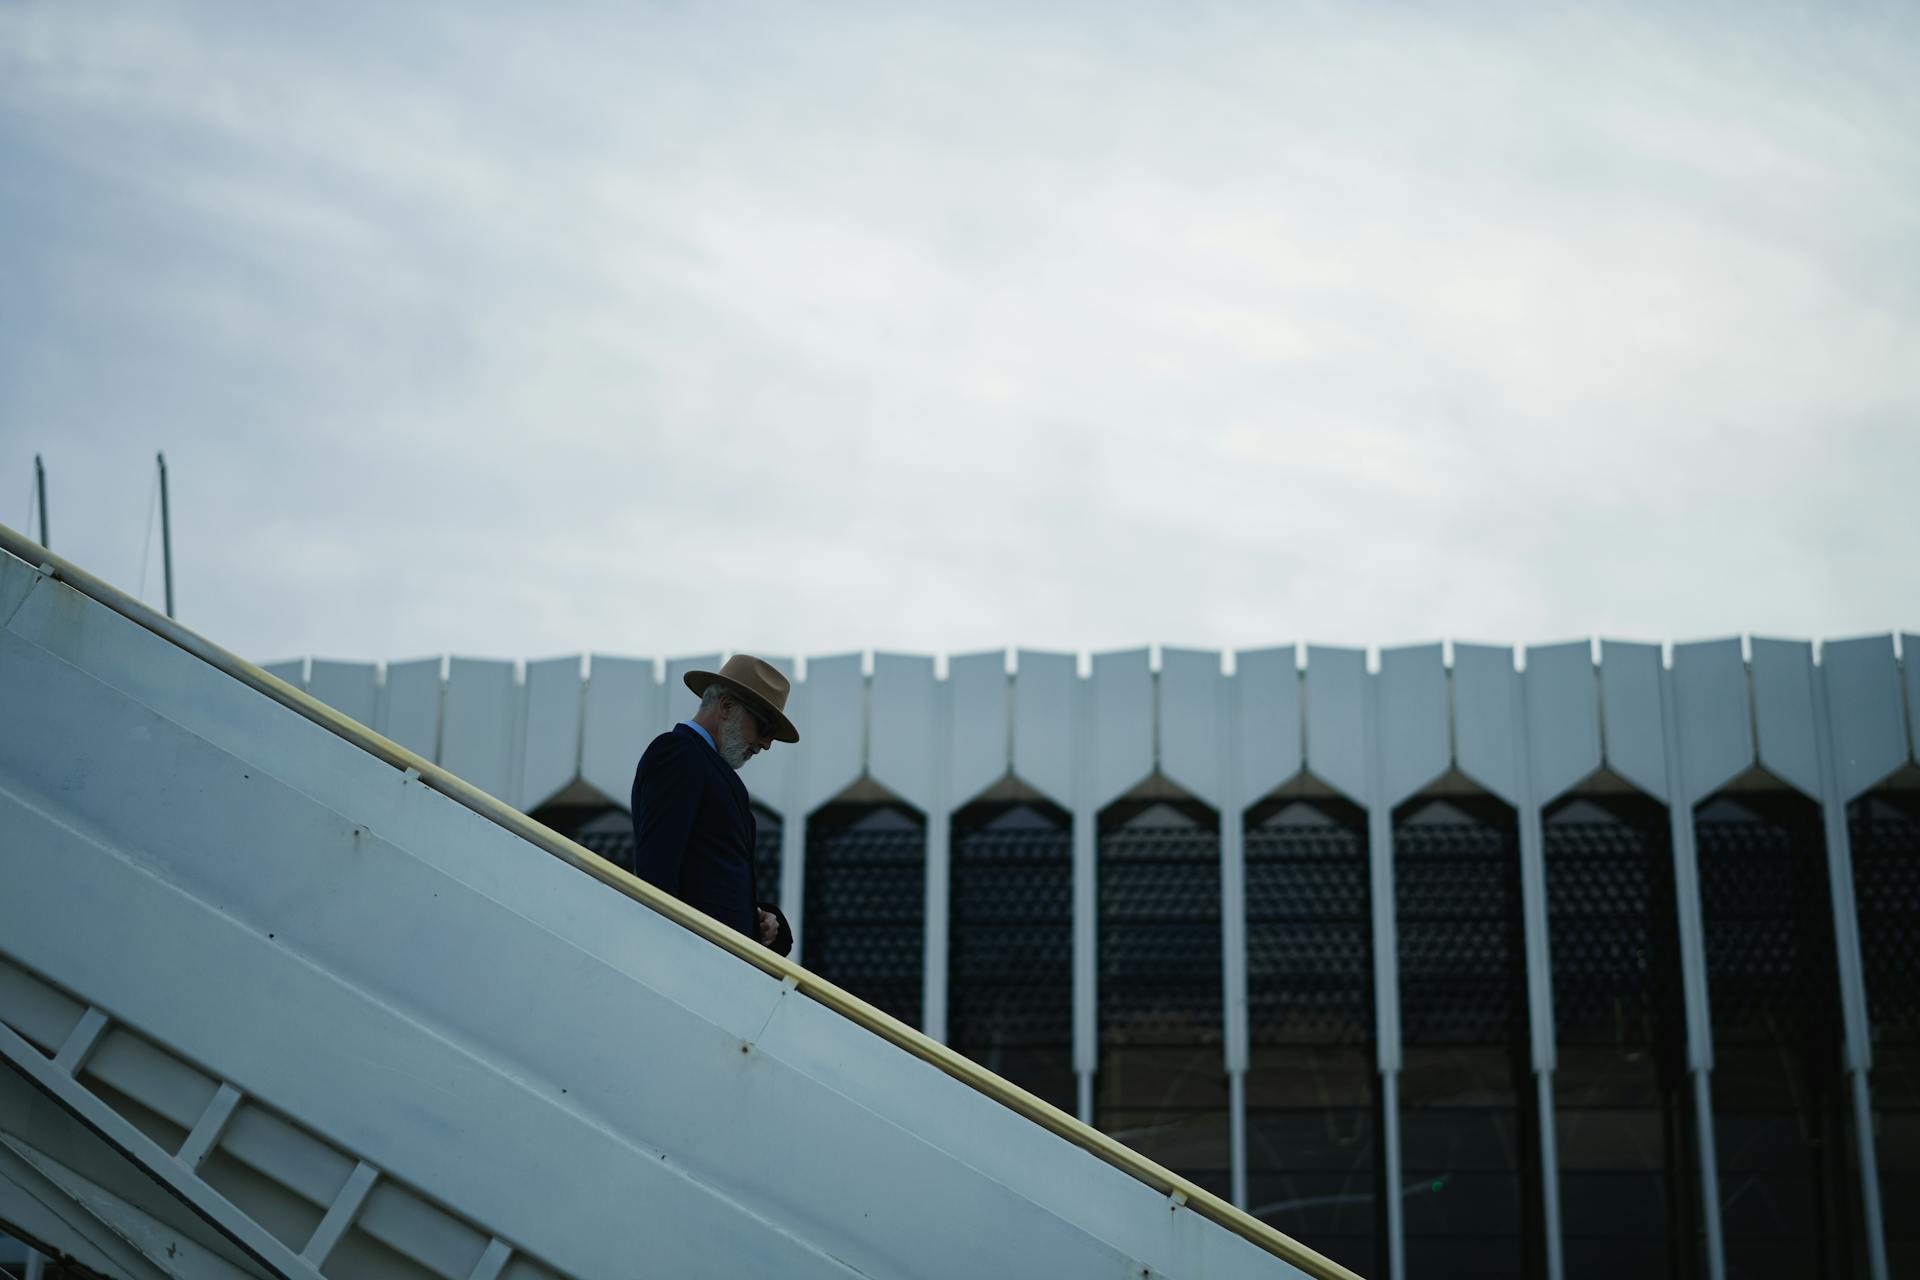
column 885, row 1025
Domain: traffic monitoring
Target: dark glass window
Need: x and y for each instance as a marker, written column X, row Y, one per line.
column 1885, row 831
column 866, row 903
column 1010, row 945
column 1311, row 1136
column 766, row 855
column 1621, row 1096
column 1162, row 1086
column 1468, row 1149
column 1777, row 1102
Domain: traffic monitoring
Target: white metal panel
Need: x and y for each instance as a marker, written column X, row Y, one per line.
column 679, row 702
column 551, row 758
column 1336, row 745
column 347, row 687
column 1043, row 685
column 1563, row 717
column 1269, row 735
column 1486, row 709
column 476, row 737
column 832, row 747
column 1630, row 714
column 1863, row 697
column 900, row 727
column 1190, row 729
column 1122, row 742
column 17, row 578
column 623, row 712
column 293, row 671
column 1414, row 742
column 769, row 775
column 1783, row 712
column 1714, row 716
column 413, row 706
column 981, row 727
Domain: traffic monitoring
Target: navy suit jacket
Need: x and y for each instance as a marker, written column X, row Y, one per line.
column 693, row 831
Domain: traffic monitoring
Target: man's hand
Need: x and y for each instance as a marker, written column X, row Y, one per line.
column 772, row 929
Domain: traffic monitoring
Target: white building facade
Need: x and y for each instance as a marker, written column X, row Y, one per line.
column 1589, row 959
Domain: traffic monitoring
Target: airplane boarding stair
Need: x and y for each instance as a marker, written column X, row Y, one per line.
column 279, row 999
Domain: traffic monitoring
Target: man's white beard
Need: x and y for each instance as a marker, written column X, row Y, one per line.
column 734, row 747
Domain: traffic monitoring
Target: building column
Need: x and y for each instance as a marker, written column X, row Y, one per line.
column 1233, row 927
column 1233, row 946
column 1386, row 978
column 937, row 911
column 1086, row 903
column 1857, row 1040
column 1693, row 974
column 1539, row 974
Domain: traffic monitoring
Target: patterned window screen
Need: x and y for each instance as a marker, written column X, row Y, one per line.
column 609, row 833
column 1010, row 945
column 1467, row 1143
column 1162, row 1086
column 1311, row 1137
column 1885, row 828
column 1622, row 1102
column 1778, row 1102
column 866, row 903
column 766, row 855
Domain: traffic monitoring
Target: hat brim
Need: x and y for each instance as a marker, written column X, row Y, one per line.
column 783, row 730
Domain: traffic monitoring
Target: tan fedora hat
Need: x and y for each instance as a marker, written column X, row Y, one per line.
column 758, row 684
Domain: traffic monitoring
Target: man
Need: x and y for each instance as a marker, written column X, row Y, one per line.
column 693, row 829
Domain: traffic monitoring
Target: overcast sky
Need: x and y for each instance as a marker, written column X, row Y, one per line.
column 805, row 328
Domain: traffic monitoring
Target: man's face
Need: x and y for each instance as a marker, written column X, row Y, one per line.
column 743, row 735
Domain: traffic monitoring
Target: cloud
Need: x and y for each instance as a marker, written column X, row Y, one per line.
column 663, row 330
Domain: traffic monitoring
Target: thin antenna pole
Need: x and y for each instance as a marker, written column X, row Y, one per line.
column 166, row 535
column 40, row 480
